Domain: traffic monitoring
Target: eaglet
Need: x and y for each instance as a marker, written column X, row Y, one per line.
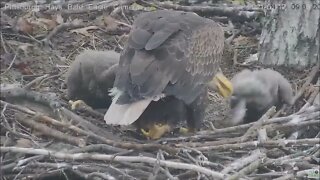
column 169, row 54
column 255, row 92
column 91, row 76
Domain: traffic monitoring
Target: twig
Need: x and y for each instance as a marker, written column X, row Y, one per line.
column 12, row 91
column 247, row 170
column 104, row 175
column 6, row 124
column 59, row 28
column 104, row 157
column 3, row 43
column 268, row 175
column 97, row 148
column 295, row 122
column 43, row 118
column 267, row 144
column 156, row 169
column 124, row 24
column 35, row 81
column 10, row 65
column 311, row 76
column 239, row 13
column 285, row 177
column 262, row 135
column 281, row 160
column 45, row 130
column 294, row 126
column 52, row 102
column 165, row 170
column 28, row 160
column 51, row 77
column 314, row 93
column 86, row 125
column 240, row 163
column 103, row 168
column 253, row 130
column 235, row 56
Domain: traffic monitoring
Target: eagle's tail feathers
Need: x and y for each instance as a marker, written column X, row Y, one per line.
column 125, row 114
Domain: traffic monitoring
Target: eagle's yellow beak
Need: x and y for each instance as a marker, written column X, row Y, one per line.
column 222, row 85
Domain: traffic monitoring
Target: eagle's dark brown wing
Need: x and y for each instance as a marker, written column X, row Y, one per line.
column 170, row 52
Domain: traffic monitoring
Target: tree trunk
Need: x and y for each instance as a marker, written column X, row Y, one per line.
column 291, row 33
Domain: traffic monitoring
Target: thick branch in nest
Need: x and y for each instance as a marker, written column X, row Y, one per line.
column 247, row 170
column 12, row 91
column 240, row 163
column 47, row 131
column 253, row 130
column 236, row 13
column 266, row 144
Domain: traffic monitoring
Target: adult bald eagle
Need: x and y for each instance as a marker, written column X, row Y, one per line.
column 91, row 75
column 168, row 54
column 257, row 91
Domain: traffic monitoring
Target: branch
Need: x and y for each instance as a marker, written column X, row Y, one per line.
column 240, row 163
column 60, row 27
column 311, row 76
column 241, row 13
column 99, row 147
column 253, row 130
column 266, row 144
column 16, row 92
column 47, row 131
column 250, row 168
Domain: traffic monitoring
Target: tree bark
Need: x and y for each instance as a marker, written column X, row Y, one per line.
column 291, row 33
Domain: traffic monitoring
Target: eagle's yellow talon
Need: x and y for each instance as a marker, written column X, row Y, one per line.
column 156, row 131
column 76, row 104
column 183, row 130
column 186, row 131
column 144, row 132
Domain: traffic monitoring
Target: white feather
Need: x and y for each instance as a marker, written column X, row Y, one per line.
column 115, row 93
column 126, row 114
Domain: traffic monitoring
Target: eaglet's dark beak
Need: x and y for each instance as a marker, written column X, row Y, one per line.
column 222, row 85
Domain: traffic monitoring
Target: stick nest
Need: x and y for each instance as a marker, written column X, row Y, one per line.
column 41, row 138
